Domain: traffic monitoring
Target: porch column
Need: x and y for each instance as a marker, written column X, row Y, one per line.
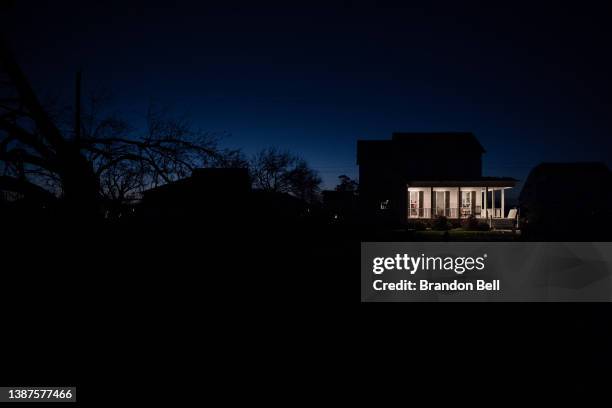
column 493, row 202
column 458, row 202
column 503, row 204
column 431, row 198
column 486, row 202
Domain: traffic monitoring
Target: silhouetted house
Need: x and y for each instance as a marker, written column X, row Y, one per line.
column 216, row 194
column 340, row 205
column 272, row 205
column 423, row 175
column 220, row 196
column 567, row 197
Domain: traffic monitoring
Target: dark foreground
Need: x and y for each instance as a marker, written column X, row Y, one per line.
column 257, row 308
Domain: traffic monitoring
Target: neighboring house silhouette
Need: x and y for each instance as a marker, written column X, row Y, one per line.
column 216, row 194
column 424, row 175
column 273, row 205
column 221, row 196
column 560, row 198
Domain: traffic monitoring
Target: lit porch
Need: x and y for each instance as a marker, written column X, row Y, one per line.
column 483, row 199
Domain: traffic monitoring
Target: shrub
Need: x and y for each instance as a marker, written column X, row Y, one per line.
column 455, row 223
column 416, row 225
column 483, row 226
column 470, row 223
column 440, row 223
column 474, row 224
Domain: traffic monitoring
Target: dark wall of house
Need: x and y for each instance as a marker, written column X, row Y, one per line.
column 386, row 167
column 440, row 164
column 377, row 184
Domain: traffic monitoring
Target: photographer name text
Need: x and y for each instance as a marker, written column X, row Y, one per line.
column 426, row 285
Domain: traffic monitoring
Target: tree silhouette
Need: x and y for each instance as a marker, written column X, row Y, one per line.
column 284, row 172
column 31, row 142
column 100, row 158
column 347, row 184
column 128, row 162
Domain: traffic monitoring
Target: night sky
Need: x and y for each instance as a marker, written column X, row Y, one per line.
column 533, row 84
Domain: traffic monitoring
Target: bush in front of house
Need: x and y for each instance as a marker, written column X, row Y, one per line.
column 474, row 224
column 470, row 223
column 483, row 226
column 416, row 225
column 440, row 223
column 454, row 223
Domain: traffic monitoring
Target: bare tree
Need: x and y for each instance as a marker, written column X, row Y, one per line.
column 281, row 171
column 103, row 157
column 127, row 162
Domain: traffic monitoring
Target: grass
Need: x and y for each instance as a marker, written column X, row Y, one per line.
column 460, row 234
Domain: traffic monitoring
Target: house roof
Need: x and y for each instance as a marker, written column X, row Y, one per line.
column 419, row 142
column 549, row 182
column 477, row 182
column 208, row 178
column 583, row 174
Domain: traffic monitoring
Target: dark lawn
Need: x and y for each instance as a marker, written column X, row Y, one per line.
column 460, row 234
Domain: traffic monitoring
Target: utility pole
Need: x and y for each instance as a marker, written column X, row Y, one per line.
column 77, row 109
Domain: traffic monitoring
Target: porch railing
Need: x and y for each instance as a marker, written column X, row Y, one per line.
column 453, row 212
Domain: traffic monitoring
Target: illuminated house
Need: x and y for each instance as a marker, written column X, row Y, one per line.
column 423, row 175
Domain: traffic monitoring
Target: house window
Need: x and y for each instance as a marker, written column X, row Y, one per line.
column 468, row 201
column 416, row 204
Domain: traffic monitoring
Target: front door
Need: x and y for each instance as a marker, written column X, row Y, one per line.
column 442, row 203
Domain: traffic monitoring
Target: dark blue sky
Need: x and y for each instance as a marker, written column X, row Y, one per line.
column 532, row 83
